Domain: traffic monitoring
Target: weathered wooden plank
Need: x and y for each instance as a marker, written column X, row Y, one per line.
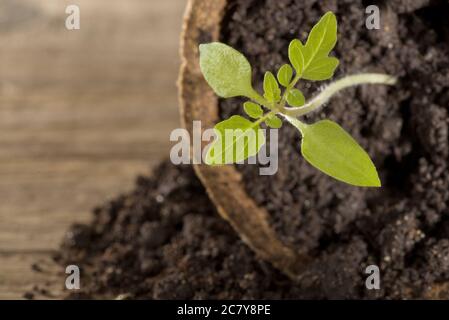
column 18, row 277
column 81, row 114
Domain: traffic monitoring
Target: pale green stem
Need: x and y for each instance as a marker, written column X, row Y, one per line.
column 333, row 88
column 256, row 97
column 264, row 117
column 288, row 89
column 295, row 122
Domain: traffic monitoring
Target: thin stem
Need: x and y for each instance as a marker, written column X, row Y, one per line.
column 264, row 117
column 301, row 126
column 256, row 97
column 288, row 89
column 337, row 86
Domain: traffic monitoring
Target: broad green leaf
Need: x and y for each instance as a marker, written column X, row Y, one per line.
column 271, row 88
column 295, row 98
column 329, row 148
column 274, row 122
column 285, row 75
column 322, row 39
column 236, row 140
column 295, row 55
column 253, row 110
column 322, row 69
column 226, row 70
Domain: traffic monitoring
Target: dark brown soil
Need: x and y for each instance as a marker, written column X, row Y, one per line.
column 165, row 240
column 402, row 227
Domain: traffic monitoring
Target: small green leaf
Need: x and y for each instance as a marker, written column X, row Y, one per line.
column 295, row 98
column 295, row 55
column 226, row 70
column 322, row 39
column 271, row 88
column 329, row 148
column 274, row 122
column 253, row 110
column 236, row 140
column 285, row 75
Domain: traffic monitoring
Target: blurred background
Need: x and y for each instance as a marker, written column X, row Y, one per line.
column 82, row 112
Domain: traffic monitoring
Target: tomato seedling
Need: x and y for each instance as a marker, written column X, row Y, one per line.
column 325, row 144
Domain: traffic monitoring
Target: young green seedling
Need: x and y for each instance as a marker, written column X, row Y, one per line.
column 325, row 144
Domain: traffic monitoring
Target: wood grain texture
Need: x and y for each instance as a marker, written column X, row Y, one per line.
column 81, row 114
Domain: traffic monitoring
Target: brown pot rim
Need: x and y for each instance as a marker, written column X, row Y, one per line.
column 202, row 23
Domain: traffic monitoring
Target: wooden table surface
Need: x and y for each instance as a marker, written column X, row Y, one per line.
column 81, row 114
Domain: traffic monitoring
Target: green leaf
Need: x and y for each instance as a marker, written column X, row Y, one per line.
column 253, row 110
column 329, row 148
column 274, row 122
column 322, row 39
column 295, row 55
column 226, row 70
column 285, row 75
column 295, row 98
column 236, row 140
column 271, row 88
column 322, row 69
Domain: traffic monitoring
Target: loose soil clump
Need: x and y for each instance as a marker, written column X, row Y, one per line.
column 164, row 240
